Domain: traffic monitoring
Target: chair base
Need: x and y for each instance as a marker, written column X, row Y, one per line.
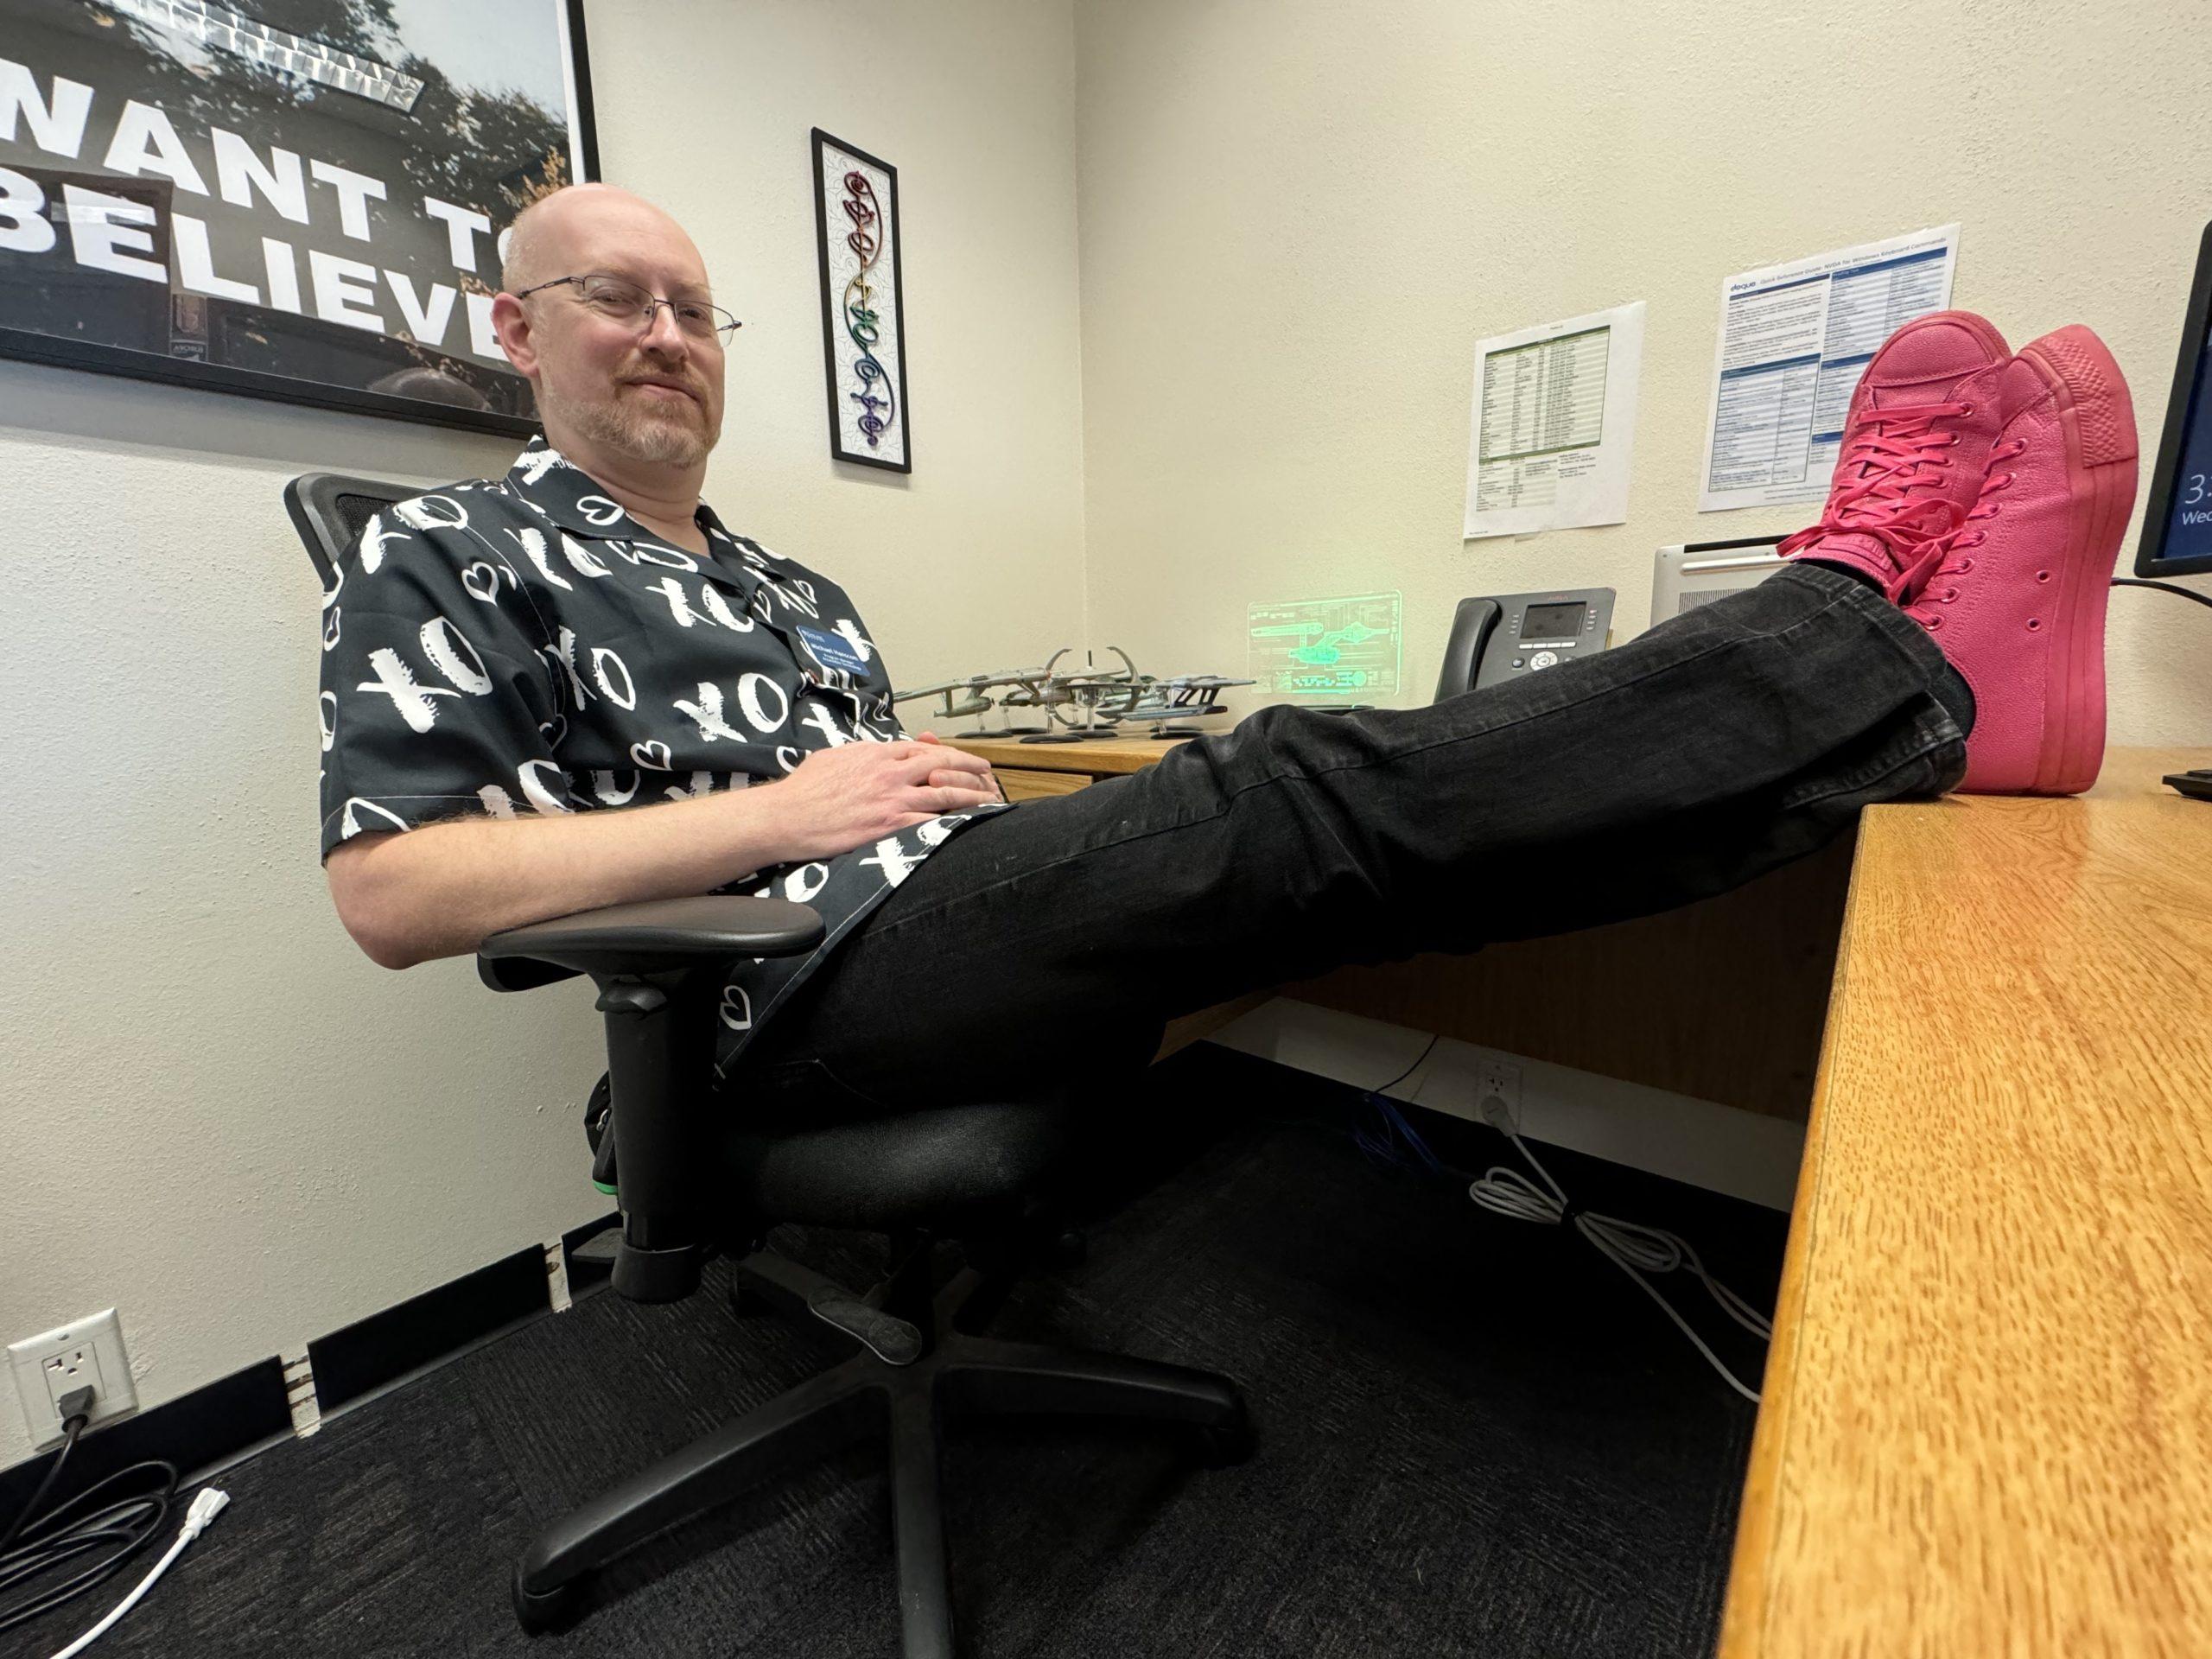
column 903, row 1400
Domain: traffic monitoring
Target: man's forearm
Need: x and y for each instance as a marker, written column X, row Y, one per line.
column 441, row 890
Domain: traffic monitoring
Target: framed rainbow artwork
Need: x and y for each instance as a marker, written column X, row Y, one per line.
column 863, row 306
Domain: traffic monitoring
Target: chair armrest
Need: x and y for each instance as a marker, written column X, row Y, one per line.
column 657, row 964
column 650, row 936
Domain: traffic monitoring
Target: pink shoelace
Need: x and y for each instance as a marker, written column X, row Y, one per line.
column 1935, row 555
column 1891, row 453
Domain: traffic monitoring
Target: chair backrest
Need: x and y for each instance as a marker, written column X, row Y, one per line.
column 330, row 510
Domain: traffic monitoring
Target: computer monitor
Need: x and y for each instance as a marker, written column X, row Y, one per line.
column 2178, row 518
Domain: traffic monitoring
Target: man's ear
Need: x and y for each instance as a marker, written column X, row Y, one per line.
column 512, row 328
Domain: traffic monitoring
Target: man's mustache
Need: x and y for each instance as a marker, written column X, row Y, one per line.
column 689, row 383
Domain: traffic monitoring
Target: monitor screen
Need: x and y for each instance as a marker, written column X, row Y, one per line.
column 2177, row 516
column 1552, row 623
column 2188, row 516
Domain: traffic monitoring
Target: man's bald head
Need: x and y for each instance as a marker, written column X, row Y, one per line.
column 611, row 380
column 561, row 223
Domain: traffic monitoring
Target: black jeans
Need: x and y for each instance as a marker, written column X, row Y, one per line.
column 1704, row 753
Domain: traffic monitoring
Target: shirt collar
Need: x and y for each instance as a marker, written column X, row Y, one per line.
column 572, row 499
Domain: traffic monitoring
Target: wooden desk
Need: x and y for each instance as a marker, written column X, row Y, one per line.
column 1988, row 1426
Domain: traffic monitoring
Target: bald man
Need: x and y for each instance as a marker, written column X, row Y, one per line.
column 503, row 658
column 574, row 686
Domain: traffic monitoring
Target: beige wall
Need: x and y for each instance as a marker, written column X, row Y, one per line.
column 217, row 1114
column 1298, row 216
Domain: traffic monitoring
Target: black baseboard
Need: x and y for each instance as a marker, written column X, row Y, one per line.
column 373, row 1353
column 220, row 1422
column 211, row 1426
column 586, row 1278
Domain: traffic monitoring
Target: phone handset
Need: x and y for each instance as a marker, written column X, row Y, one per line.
column 1494, row 639
column 1473, row 625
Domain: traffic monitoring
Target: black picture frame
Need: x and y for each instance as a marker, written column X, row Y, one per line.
column 2188, row 405
column 268, row 323
column 842, row 388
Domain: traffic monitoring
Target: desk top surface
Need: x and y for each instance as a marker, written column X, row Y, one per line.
column 1099, row 756
column 1988, row 1426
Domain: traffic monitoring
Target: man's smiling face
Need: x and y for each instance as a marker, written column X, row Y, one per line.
column 654, row 395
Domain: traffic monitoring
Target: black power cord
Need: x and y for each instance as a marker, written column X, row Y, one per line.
column 76, row 1407
column 2163, row 587
column 130, row 1523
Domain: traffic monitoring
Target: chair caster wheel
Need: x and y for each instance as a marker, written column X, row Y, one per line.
column 1224, row 1448
column 539, row 1613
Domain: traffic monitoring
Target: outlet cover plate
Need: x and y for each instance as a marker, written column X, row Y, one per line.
column 48, row 1365
column 1498, row 1077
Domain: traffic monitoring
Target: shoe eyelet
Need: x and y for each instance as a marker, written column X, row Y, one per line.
column 1932, row 623
column 2043, row 575
column 1966, row 413
column 1966, row 565
column 1950, row 593
column 2035, row 624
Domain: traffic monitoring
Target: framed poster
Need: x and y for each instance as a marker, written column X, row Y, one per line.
column 863, row 305
column 293, row 199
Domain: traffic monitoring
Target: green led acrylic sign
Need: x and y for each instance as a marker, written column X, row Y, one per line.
column 1346, row 648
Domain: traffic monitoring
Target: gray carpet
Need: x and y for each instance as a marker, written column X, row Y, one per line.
column 1476, row 1438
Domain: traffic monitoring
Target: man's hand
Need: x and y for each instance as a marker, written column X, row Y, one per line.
column 837, row 800
column 966, row 761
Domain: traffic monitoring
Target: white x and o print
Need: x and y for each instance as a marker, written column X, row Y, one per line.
column 517, row 645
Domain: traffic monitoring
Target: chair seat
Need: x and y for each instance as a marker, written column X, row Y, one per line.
column 902, row 1170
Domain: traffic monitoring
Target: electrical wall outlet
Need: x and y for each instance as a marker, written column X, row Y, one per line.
column 1497, row 1080
column 88, row 1354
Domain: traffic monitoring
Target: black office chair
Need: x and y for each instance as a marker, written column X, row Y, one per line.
column 698, row 1179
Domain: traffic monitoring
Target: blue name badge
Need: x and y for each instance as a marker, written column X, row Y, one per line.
column 833, row 651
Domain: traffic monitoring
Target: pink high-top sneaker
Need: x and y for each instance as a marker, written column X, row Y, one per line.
column 1915, row 444
column 2015, row 595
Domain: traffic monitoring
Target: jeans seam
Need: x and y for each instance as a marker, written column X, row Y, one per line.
column 850, row 1087
column 762, row 1072
column 1541, row 713
column 1937, row 741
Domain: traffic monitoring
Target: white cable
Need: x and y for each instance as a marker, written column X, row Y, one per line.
column 1634, row 1249
column 205, row 1508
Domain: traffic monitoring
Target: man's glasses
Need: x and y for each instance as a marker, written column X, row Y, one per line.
column 623, row 302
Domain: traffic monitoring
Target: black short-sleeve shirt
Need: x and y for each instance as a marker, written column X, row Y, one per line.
column 522, row 645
